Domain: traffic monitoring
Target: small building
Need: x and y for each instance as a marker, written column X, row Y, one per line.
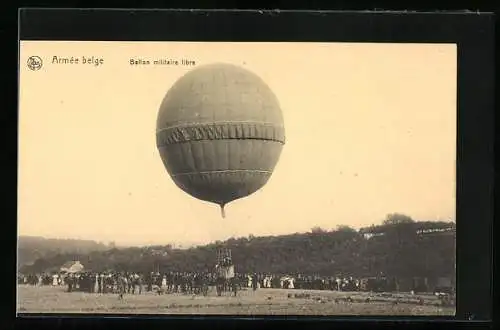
column 370, row 235
column 72, row 267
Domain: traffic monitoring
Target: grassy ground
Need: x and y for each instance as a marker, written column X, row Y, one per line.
column 261, row 302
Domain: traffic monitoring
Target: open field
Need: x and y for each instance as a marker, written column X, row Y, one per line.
column 261, row 302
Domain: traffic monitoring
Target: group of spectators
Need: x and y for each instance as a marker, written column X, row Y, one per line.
column 193, row 282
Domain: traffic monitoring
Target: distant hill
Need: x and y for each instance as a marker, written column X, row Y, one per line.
column 31, row 248
column 402, row 249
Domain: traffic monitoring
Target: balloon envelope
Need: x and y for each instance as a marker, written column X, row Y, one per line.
column 220, row 133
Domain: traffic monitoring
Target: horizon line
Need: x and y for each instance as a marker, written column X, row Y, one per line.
column 214, row 241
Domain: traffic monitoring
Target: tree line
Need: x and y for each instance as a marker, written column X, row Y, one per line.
column 402, row 251
column 32, row 248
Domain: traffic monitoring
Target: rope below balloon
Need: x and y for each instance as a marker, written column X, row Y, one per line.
column 222, row 211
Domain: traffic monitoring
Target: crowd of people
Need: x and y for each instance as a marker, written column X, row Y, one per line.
column 194, row 282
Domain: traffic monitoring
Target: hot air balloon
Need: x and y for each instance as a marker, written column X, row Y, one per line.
column 220, row 133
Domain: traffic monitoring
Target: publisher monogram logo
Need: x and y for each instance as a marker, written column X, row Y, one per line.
column 35, row 63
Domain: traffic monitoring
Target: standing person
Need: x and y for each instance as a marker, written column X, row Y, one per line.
column 164, row 281
column 90, row 283
column 99, row 283
column 70, row 281
column 82, row 282
column 254, row 282
column 103, row 282
column 140, row 282
column 86, row 283
column 149, row 281
column 158, row 279
column 107, row 283
column 122, row 285
column 95, row 281
column 88, row 280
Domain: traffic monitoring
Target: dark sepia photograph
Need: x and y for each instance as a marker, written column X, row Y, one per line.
column 237, row 178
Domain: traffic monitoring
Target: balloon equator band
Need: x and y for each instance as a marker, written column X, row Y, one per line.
column 222, row 171
column 217, row 123
column 210, row 132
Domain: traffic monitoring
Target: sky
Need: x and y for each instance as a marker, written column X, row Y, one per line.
column 370, row 130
